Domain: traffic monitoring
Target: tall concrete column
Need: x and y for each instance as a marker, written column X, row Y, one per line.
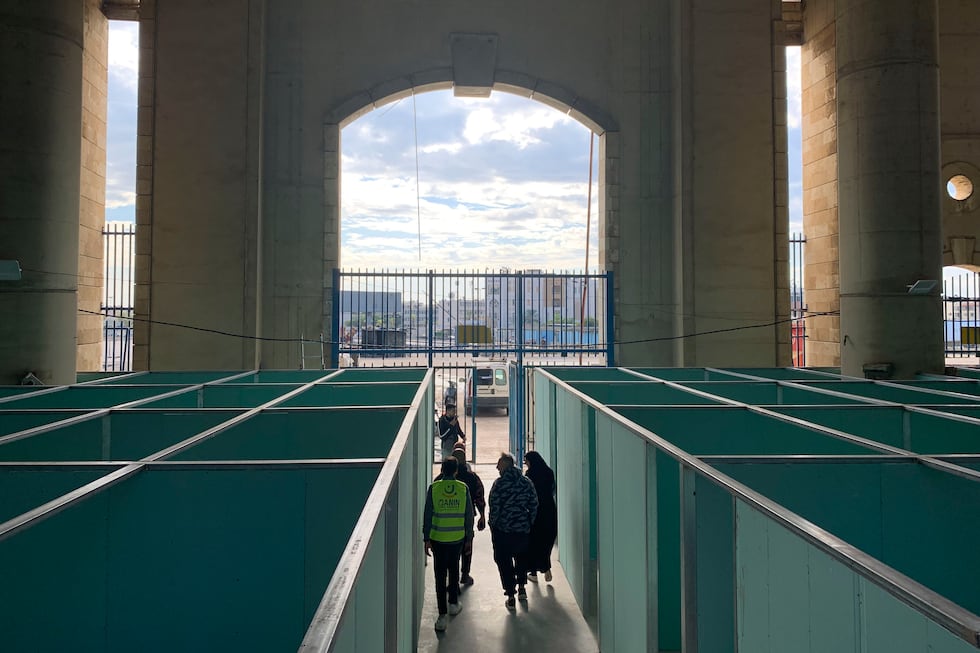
column 888, row 165
column 40, row 153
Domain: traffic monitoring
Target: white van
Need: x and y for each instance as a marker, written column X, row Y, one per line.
column 492, row 386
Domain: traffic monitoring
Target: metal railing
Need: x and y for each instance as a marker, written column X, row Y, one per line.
column 961, row 315
column 797, row 306
column 119, row 239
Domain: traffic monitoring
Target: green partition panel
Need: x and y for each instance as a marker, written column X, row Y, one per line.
column 232, row 395
column 590, row 373
column 791, row 596
column 885, row 424
column 931, row 434
column 674, row 373
column 621, row 493
column 13, row 421
column 577, row 550
column 277, row 434
column 374, row 375
column 119, row 435
column 968, row 372
column 778, row 373
column 721, row 375
column 17, row 391
column 749, row 392
column 802, row 395
column 962, row 386
column 645, row 393
column 355, row 394
column 89, row 396
column 969, row 411
column 295, row 377
column 87, row 377
column 236, row 559
column 545, row 434
column 898, row 512
column 736, row 431
column 172, row 378
column 24, row 488
column 708, row 563
column 899, row 395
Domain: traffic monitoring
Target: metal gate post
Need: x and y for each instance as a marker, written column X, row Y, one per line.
column 430, row 315
column 610, row 340
column 335, row 319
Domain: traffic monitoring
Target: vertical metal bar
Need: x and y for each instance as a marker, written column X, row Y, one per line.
column 336, row 320
column 429, row 316
column 610, row 340
column 689, row 567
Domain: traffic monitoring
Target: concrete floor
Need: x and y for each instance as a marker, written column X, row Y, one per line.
column 549, row 621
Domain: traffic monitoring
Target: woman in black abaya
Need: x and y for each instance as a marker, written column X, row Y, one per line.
column 544, row 531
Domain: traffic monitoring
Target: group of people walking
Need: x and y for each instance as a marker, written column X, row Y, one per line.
column 523, row 521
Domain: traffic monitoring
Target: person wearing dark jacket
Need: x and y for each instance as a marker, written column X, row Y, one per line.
column 475, row 486
column 450, row 431
column 544, row 530
column 513, row 506
column 447, row 530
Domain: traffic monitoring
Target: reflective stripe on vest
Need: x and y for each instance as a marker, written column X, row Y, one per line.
column 448, row 511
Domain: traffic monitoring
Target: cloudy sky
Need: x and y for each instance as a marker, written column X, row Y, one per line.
column 492, row 183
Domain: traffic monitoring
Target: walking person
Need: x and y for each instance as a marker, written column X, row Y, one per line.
column 449, row 430
column 544, row 530
column 447, row 530
column 513, row 506
column 475, row 486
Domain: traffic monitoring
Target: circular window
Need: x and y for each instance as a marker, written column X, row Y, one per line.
column 959, row 187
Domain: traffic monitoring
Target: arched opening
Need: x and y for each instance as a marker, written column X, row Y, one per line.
column 488, row 201
column 432, row 181
column 961, row 314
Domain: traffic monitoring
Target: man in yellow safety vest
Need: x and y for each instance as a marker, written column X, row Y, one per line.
column 447, row 529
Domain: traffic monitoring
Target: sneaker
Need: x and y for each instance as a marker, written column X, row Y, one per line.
column 533, row 577
column 455, row 609
column 466, row 580
column 522, row 594
column 510, row 603
column 442, row 622
column 547, row 575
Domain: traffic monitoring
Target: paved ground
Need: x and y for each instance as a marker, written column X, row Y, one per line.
column 550, row 621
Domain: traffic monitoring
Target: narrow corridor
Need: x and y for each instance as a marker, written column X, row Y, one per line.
column 549, row 621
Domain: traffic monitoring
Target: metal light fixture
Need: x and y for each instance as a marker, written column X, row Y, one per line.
column 922, row 287
column 9, row 271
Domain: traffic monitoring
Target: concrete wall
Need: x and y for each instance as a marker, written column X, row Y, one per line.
column 242, row 141
column 40, row 154
column 95, row 55
column 194, row 247
column 959, row 54
column 821, row 274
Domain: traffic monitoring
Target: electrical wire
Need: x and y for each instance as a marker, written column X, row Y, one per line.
column 338, row 342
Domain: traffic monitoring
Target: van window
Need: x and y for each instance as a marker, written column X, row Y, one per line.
column 484, row 376
column 499, row 377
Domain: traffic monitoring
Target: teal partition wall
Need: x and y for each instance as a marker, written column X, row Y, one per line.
column 712, row 519
column 259, row 526
column 117, row 435
column 237, row 558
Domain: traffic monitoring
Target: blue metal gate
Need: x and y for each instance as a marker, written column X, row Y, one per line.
column 466, row 323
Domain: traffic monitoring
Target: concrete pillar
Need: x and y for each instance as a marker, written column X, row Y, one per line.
column 888, row 165
column 40, row 151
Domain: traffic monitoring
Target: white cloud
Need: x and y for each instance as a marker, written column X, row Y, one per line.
column 124, row 51
column 516, row 127
column 115, row 199
column 794, row 90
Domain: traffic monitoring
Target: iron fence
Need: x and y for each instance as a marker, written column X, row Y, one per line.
column 119, row 240
column 797, row 306
column 961, row 322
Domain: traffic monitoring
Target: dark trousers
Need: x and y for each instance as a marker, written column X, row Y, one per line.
column 467, row 560
column 445, row 563
column 510, row 554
